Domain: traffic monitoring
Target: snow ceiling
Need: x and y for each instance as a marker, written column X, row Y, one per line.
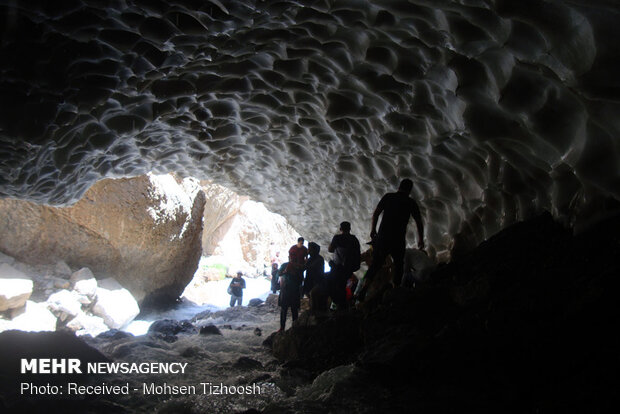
column 497, row 109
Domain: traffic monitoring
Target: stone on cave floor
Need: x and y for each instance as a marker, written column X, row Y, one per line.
column 83, row 324
column 62, row 269
column 168, row 329
column 84, row 282
column 115, row 304
column 255, row 302
column 210, row 330
column 65, row 304
column 272, row 300
column 15, row 288
column 33, row 317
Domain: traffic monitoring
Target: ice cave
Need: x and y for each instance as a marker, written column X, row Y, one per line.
column 504, row 113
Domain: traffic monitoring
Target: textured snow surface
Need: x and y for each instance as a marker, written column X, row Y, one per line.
column 495, row 108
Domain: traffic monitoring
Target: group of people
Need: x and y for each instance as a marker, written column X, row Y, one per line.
column 340, row 283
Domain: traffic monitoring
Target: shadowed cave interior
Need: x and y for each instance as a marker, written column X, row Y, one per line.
column 499, row 110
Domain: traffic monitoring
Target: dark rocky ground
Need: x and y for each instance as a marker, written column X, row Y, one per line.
column 526, row 323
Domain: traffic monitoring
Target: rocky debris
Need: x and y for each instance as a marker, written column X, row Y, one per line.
column 62, row 269
column 258, row 331
column 84, row 324
column 317, row 343
column 65, row 304
column 71, row 306
column 115, row 304
column 33, row 317
column 272, row 300
column 15, row 288
column 255, row 302
column 210, row 330
column 524, row 321
column 143, row 231
column 58, row 283
column 168, row 329
column 235, row 313
column 84, row 282
column 68, row 303
column 247, row 363
column 114, row 334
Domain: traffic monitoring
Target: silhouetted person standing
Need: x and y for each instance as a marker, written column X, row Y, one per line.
column 290, row 292
column 391, row 239
column 315, row 286
column 315, row 267
column 346, row 249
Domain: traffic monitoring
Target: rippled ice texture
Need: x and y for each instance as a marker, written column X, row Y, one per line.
column 496, row 109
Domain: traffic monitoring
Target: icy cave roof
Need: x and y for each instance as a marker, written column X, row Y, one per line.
column 496, row 109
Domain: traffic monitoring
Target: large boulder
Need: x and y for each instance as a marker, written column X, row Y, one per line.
column 144, row 231
column 15, row 288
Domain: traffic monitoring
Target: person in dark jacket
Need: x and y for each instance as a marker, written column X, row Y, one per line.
column 275, row 279
column 315, row 286
column 315, row 268
column 395, row 210
column 290, row 290
column 236, row 290
column 346, row 249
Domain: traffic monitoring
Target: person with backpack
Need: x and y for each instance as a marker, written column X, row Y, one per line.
column 346, row 249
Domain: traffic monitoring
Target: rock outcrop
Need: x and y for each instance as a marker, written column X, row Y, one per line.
column 221, row 207
column 243, row 231
column 144, row 231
